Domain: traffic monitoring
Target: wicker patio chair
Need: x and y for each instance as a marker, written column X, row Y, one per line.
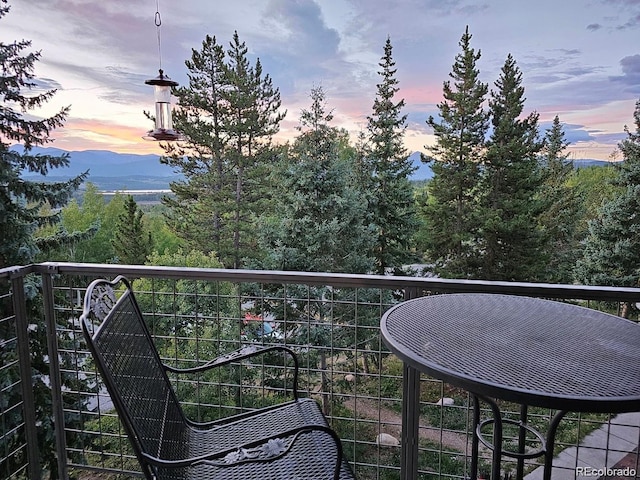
column 289, row 441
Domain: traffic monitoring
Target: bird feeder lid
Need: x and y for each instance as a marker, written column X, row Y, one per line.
column 161, row 80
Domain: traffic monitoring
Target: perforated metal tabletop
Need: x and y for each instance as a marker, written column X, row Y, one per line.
column 528, row 350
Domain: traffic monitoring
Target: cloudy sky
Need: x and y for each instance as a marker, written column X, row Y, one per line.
column 580, row 58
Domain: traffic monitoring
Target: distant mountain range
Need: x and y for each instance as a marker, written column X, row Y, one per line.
column 423, row 170
column 103, row 163
column 125, row 171
column 109, row 170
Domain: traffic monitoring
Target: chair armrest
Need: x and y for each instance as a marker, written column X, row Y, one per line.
column 247, row 351
column 263, row 450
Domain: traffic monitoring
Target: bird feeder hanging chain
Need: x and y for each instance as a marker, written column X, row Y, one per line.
column 158, row 22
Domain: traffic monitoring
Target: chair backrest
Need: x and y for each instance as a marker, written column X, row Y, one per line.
column 132, row 370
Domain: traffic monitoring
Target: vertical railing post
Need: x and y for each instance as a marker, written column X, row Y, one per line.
column 54, row 374
column 410, row 418
column 411, row 292
column 410, row 423
column 26, row 377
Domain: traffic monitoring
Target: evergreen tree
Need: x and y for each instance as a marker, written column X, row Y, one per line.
column 390, row 197
column 320, row 220
column 21, row 200
column 562, row 209
column 25, row 206
column 254, row 118
column 455, row 158
column 362, row 166
column 554, row 158
column 612, row 249
column 511, row 240
column 319, row 224
column 131, row 243
column 199, row 206
column 229, row 114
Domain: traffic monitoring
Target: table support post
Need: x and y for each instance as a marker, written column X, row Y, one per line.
column 475, row 441
column 496, row 461
column 410, row 423
column 522, row 438
column 550, row 441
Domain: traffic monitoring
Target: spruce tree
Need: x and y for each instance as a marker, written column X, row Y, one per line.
column 131, row 243
column 320, row 221
column 21, row 200
column 612, row 248
column 25, row 206
column 319, row 224
column 254, row 107
column 554, row 157
column 511, row 240
column 390, row 197
column 561, row 209
column 455, row 160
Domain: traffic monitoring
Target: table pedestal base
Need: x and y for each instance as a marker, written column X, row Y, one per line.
column 496, row 443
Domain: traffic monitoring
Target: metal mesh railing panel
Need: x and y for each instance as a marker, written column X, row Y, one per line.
column 345, row 368
column 13, row 443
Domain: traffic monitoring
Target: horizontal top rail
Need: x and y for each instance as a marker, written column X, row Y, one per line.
column 548, row 290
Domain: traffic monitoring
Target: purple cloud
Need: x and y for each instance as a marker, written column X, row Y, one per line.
column 631, row 23
column 630, row 73
column 572, row 132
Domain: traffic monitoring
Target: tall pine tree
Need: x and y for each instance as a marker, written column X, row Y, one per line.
column 319, row 224
column 391, row 198
column 612, row 249
column 254, row 107
column 199, row 206
column 511, row 240
column 229, row 114
column 455, row 160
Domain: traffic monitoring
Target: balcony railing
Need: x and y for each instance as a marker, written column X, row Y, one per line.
column 331, row 320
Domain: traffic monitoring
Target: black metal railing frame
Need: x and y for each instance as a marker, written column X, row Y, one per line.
column 401, row 287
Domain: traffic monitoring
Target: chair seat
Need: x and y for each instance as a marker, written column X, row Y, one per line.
column 312, row 456
column 299, row 464
column 266, row 424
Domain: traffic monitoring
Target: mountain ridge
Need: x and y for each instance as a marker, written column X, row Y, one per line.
column 101, row 163
column 144, row 171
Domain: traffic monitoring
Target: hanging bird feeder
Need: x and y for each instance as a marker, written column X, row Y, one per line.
column 164, row 125
column 162, row 91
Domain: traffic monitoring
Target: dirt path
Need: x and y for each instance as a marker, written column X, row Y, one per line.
column 391, row 423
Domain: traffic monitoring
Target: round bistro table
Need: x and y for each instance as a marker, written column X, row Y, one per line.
column 526, row 350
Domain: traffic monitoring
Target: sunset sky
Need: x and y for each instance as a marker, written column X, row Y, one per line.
column 580, row 58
